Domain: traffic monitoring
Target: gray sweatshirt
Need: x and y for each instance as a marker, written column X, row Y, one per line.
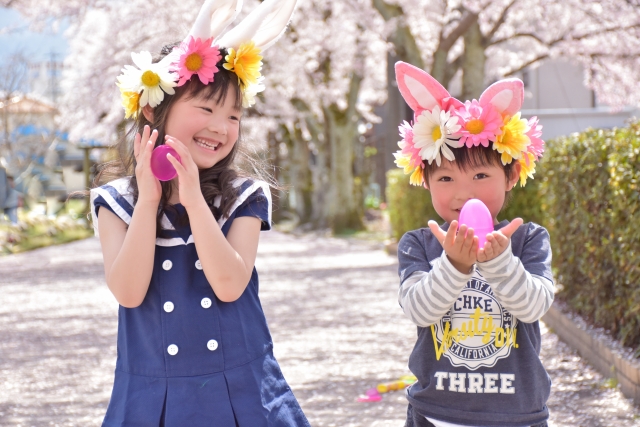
column 476, row 357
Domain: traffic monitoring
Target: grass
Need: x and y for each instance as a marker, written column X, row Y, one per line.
column 36, row 231
column 39, row 238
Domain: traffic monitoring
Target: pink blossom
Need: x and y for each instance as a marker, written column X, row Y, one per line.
column 480, row 123
column 534, row 133
column 196, row 57
column 408, row 148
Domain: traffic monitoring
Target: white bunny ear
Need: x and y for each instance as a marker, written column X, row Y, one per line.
column 264, row 25
column 214, row 17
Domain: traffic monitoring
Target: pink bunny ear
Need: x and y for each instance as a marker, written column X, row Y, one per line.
column 506, row 95
column 419, row 89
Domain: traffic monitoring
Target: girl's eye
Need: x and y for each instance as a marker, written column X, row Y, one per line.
column 207, row 109
column 445, row 179
column 235, row 118
column 481, row 176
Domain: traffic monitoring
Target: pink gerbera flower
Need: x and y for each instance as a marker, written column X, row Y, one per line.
column 196, row 56
column 480, row 123
column 537, row 144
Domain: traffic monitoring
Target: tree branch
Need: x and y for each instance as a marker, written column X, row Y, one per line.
column 526, row 64
column 503, row 16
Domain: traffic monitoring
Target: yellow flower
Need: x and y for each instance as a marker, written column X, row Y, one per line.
column 246, row 62
column 416, row 177
column 513, row 141
column 527, row 169
column 403, row 161
column 131, row 103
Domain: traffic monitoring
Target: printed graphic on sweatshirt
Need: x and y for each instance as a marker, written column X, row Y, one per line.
column 477, row 331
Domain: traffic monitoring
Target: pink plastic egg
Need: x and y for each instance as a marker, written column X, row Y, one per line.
column 160, row 165
column 475, row 214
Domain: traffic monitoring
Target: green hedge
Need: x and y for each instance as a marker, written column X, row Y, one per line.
column 591, row 198
column 409, row 206
column 586, row 192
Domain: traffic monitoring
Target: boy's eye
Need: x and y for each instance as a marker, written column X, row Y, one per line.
column 235, row 118
column 207, row 109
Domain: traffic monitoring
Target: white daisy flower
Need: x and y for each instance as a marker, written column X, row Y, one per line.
column 433, row 132
column 153, row 80
column 249, row 93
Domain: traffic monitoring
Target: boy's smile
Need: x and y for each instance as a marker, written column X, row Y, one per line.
column 451, row 187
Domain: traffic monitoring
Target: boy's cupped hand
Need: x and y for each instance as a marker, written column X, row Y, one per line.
column 498, row 241
column 461, row 245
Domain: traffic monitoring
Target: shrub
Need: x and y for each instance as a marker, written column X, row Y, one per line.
column 409, row 206
column 591, row 198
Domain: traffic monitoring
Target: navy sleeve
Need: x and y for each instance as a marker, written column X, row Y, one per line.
column 258, row 205
column 412, row 255
column 536, row 252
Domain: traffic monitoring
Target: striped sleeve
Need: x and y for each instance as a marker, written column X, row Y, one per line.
column 527, row 296
column 427, row 296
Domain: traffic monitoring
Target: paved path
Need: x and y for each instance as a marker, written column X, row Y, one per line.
column 331, row 306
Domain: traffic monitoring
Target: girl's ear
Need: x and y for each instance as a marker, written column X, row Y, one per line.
column 147, row 112
column 264, row 25
column 420, row 90
column 214, row 17
column 506, row 96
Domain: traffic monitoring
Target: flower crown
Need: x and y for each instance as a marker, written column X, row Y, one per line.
column 441, row 121
column 199, row 53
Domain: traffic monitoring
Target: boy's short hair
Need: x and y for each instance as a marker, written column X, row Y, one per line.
column 473, row 157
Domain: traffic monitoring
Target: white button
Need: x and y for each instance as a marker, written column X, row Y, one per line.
column 168, row 306
column 212, row 345
column 198, row 265
column 167, row 265
column 172, row 349
column 205, row 303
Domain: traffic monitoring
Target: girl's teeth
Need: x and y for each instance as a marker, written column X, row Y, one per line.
column 207, row 145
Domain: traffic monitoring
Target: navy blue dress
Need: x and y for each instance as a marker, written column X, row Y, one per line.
column 184, row 355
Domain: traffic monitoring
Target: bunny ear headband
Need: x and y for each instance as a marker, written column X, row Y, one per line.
column 199, row 53
column 441, row 121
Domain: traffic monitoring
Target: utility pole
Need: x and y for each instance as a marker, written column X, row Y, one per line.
column 54, row 68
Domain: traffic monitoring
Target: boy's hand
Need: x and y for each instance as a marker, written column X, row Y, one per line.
column 460, row 246
column 498, row 241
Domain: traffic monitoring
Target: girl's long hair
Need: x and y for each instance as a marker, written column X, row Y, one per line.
column 214, row 181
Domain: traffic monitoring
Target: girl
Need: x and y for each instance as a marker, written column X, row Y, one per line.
column 193, row 344
column 477, row 309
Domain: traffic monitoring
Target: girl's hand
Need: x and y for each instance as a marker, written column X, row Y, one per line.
column 498, row 241
column 188, row 174
column 460, row 246
column 149, row 188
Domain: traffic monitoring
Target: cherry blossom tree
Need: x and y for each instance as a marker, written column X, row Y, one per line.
column 492, row 39
column 328, row 71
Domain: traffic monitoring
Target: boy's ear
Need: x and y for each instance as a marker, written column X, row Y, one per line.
column 147, row 112
column 515, row 175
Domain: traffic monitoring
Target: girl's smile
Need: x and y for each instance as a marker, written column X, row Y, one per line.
column 209, row 128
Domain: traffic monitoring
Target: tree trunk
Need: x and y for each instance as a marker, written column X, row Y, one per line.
column 474, row 59
column 345, row 208
column 405, row 46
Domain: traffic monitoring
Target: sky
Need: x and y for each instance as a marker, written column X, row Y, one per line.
column 15, row 36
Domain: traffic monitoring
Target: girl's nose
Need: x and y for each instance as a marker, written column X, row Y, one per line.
column 218, row 127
